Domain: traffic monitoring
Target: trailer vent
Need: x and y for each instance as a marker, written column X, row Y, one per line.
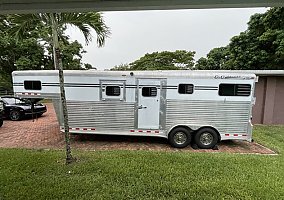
column 234, row 89
column 113, row 91
column 185, row 88
column 32, row 85
column 149, row 91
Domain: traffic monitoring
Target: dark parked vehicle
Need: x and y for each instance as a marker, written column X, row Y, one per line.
column 18, row 108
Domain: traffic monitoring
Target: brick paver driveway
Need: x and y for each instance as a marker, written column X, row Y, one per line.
column 44, row 133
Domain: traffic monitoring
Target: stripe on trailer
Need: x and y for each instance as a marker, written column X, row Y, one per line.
column 205, row 89
column 18, row 84
column 200, row 86
column 131, row 87
column 144, row 131
column 28, row 93
column 236, row 135
column 81, row 129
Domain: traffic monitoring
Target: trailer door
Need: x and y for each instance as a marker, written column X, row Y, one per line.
column 148, row 93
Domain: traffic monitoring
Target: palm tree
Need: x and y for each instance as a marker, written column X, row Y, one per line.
column 55, row 24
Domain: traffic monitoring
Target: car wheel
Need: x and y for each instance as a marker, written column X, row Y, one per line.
column 179, row 137
column 15, row 115
column 206, row 138
column 1, row 122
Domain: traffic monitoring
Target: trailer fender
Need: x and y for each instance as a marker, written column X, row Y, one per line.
column 179, row 125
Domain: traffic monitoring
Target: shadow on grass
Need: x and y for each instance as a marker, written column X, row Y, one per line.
column 118, row 139
column 114, row 142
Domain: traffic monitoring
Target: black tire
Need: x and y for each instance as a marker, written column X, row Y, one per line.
column 1, row 122
column 39, row 115
column 15, row 115
column 179, row 137
column 206, row 138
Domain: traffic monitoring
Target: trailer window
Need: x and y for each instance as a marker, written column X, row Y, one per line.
column 234, row 89
column 185, row 88
column 112, row 90
column 32, row 85
column 149, row 91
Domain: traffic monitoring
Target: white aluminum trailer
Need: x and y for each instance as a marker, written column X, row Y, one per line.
column 205, row 107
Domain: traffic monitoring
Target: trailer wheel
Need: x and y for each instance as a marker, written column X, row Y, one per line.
column 206, row 138
column 179, row 137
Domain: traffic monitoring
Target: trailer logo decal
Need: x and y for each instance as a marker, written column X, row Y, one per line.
column 232, row 77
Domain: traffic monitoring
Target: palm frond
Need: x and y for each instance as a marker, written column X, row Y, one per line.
column 22, row 24
column 85, row 22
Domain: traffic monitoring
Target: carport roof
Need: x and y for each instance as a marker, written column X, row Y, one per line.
column 28, row 6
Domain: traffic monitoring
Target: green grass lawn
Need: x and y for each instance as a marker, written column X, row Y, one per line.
column 34, row 174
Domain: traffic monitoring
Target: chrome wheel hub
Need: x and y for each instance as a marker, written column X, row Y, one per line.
column 14, row 115
column 206, row 138
column 180, row 138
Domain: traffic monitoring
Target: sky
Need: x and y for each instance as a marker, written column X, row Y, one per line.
column 135, row 33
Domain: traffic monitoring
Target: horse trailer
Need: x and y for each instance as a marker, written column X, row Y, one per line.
column 182, row 106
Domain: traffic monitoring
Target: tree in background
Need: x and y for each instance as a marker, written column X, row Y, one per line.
column 215, row 60
column 28, row 54
column 33, row 51
column 53, row 26
column 165, row 60
column 18, row 56
column 121, row 67
column 71, row 53
column 260, row 47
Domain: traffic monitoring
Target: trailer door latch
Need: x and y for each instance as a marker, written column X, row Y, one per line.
column 141, row 107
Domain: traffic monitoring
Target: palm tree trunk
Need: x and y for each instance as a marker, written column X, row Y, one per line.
column 59, row 66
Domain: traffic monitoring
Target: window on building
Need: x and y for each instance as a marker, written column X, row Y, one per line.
column 32, row 85
column 149, row 91
column 185, row 88
column 234, row 89
column 112, row 90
